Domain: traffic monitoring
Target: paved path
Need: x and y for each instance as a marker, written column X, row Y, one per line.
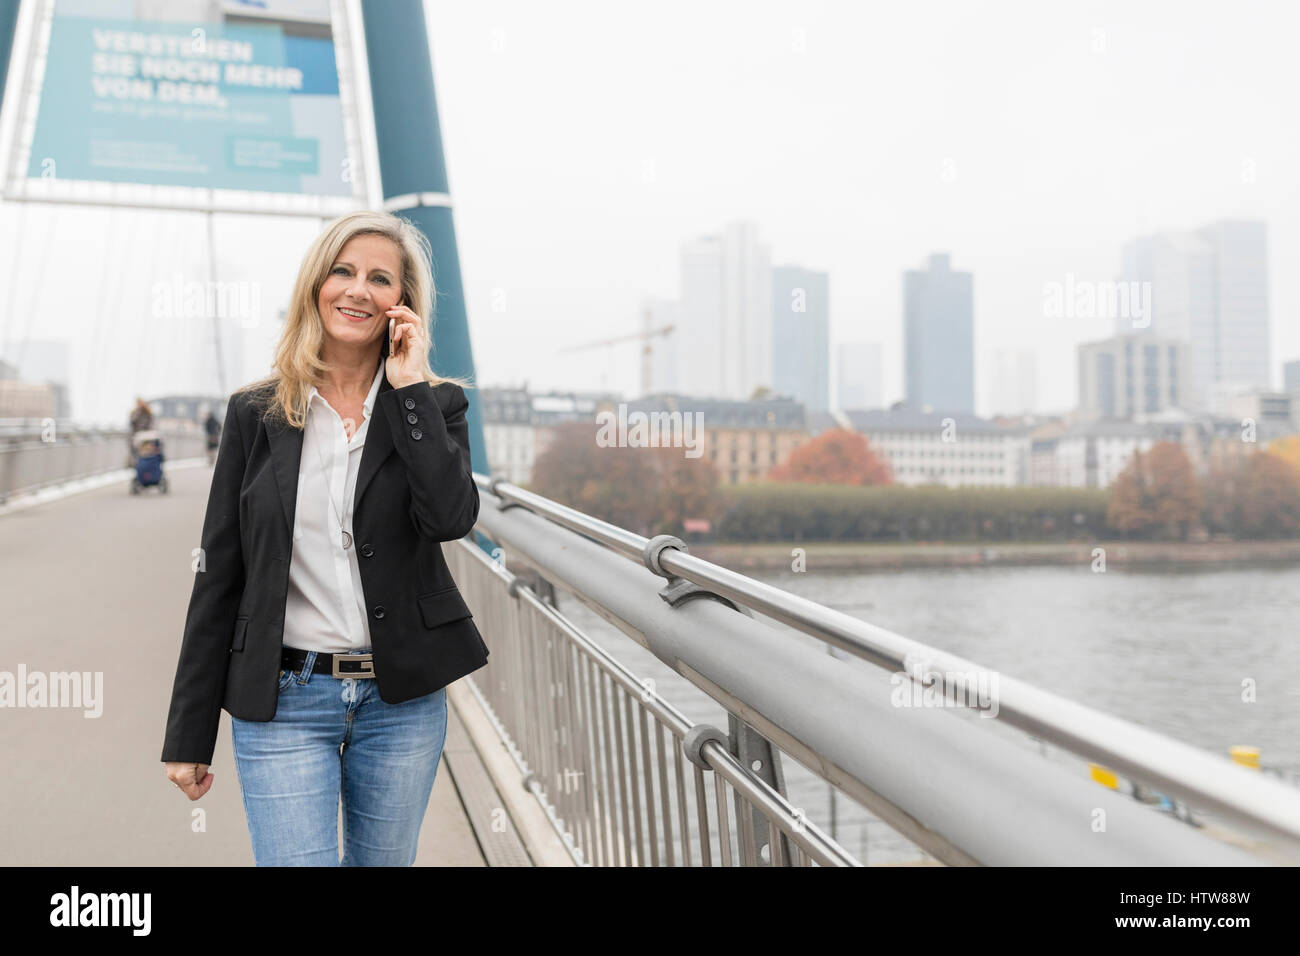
column 100, row 581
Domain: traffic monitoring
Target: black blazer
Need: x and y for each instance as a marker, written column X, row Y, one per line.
column 414, row 489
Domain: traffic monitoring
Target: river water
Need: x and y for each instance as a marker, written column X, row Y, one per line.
column 1176, row 651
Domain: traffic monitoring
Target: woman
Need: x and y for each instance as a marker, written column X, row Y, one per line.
column 141, row 419
column 331, row 648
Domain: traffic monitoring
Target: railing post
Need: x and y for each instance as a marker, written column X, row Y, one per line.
column 750, row 748
column 533, row 580
column 757, row 755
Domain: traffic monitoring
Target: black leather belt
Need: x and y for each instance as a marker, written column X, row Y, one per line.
column 336, row 665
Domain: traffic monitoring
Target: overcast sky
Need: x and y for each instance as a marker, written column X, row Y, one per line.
column 586, row 141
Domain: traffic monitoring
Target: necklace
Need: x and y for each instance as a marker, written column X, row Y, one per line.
column 347, row 537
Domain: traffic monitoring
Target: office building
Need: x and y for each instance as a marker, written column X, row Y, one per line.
column 1130, row 376
column 938, row 338
column 743, row 440
column 801, row 336
column 1208, row 288
column 726, row 315
column 933, row 449
column 1291, row 376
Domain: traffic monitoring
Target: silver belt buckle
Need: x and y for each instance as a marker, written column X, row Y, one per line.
column 367, row 668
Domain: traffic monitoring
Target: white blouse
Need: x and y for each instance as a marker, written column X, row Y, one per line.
column 325, row 607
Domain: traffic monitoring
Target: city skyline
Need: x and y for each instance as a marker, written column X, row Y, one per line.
column 1127, row 132
column 1021, row 183
column 1203, row 318
column 737, row 256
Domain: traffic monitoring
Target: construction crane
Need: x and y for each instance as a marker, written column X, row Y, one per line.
column 643, row 337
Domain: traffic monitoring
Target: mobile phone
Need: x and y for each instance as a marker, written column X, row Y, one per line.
column 388, row 345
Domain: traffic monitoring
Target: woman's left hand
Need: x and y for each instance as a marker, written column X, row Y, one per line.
column 407, row 347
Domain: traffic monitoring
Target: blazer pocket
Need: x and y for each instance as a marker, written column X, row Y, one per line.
column 443, row 607
column 241, row 628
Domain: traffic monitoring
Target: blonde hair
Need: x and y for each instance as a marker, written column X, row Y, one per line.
column 298, row 363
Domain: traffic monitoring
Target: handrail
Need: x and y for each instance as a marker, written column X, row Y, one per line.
column 1176, row 768
column 813, row 841
column 30, row 464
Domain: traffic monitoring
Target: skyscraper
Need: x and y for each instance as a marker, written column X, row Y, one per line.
column 725, row 335
column 938, row 338
column 1241, row 302
column 1209, row 289
column 801, row 335
column 1291, row 376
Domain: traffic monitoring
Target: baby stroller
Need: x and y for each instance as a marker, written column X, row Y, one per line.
column 148, row 462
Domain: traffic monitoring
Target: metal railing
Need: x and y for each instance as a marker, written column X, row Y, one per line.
column 31, row 460
column 609, row 758
column 572, row 713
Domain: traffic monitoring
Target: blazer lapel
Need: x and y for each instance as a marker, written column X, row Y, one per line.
column 378, row 446
column 286, row 456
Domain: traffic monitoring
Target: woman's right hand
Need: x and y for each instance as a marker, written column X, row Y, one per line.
column 193, row 778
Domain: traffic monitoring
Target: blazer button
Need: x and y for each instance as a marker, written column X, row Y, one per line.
column 379, row 612
column 411, row 417
column 417, row 434
column 367, row 551
column 410, row 403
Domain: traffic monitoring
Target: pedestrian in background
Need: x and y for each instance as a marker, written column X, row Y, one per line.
column 213, row 430
column 141, row 419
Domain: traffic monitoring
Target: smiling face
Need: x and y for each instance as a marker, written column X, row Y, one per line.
column 363, row 283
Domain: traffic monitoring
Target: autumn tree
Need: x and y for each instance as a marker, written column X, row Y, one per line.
column 1288, row 449
column 649, row 490
column 688, row 488
column 1256, row 497
column 1156, row 493
column 1177, row 494
column 835, row 457
column 1129, row 508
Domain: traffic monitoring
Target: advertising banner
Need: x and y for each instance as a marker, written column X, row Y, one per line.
column 237, row 97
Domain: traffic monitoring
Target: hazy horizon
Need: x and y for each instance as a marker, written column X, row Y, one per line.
column 1028, row 143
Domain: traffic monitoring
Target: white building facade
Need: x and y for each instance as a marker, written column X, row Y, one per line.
column 956, row 451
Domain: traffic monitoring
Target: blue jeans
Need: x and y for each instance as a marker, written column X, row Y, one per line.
column 333, row 739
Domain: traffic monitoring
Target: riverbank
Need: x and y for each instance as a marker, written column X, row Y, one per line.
column 868, row 555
